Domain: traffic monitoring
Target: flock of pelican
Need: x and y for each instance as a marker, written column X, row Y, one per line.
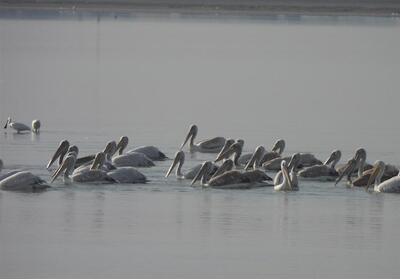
column 230, row 169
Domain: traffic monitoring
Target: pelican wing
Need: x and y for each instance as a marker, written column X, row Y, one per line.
column 217, row 142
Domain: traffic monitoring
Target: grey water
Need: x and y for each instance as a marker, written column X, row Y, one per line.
column 320, row 83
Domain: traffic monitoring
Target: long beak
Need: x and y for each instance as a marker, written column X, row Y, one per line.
column 61, row 168
column 5, row 126
column 226, row 166
column 330, row 159
column 372, row 177
column 62, row 149
column 348, row 170
column 200, row 174
column 98, row 161
column 186, row 139
column 228, row 153
column 173, row 165
column 286, row 174
column 255, row 158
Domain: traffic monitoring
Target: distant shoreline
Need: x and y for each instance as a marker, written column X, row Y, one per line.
column 214, row 8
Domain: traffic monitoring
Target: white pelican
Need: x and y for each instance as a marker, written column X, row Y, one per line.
column 36, row 126
column 306, row 160
column 231, row 179
column 286, row 184
column 391, row 185
column 292, row 168
column 60, row 153
column 151, row 152
column 325, row 172
column 23, row 181
column 92, row 175
column 179, row 160
column 235, row 150
column 19, row 127
column 357, row 162
column 213, row 145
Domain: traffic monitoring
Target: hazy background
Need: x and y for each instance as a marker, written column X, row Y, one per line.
column 318, row 84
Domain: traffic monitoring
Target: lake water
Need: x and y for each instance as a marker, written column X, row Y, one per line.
column 320, row 83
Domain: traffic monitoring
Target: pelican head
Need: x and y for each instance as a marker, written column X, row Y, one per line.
column 73, row 149
column 334, row 158
column 294, row 162
column 110, row 149
column 60, row 153
column 98, row 161
column 361, row 158
column 8, row 122
column 67, row 167
column 226, row 146
column 122, row 144
column 377, row 173
column 285, row 172
column 279, row 146
column 178, row 160
column 348, row 170
column 255, row 158
column 204, row 173
column 235, row 148
column 191, row 135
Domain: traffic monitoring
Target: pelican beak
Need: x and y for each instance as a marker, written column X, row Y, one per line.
column 228, row 153
column 122, row 144
column 60, row 169
column 60, row 152
column 287, row 177
column 348, row 169
column 5, row 126
column 226, row 166
column 98, row 161
column 177, row 159
column 201, row 173
column 255, row 158
column 188, row 136
column 372, row 177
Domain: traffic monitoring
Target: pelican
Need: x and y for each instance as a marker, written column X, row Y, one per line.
column 390, row 171
column 231, row 179
column 357, row 162
column 292, row 169
column 92, row 175
column 23, row 181
column 151, row 152
column 325, row 172
column 286, row 184
column 235, row 150
column 19, row 127
column 276, row 152
column 391, row 185
column 306, row 160
column 227, row 145
column 36, row 126
column 133, row 159
column 179, row 160
column 213, row 145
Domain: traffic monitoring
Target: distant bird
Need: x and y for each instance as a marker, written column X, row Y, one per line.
column 355, row 163
column 213, row 145
column 178, row 162
column 36, row 126
column 292, row 169
column 19, row 127
column 23, row 181
column 152, row 152
column 286, row 184
column 325, row 172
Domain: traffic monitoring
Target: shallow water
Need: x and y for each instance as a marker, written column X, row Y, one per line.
column 320, row 84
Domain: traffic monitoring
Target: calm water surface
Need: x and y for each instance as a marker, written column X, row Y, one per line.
column 320, row 84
